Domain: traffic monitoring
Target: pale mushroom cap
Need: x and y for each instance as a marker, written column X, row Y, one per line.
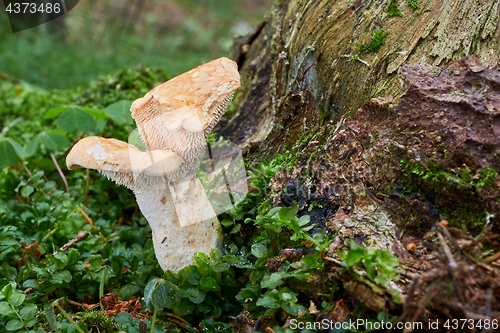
column 120, row 161
column 199, row 95
column 181, row 112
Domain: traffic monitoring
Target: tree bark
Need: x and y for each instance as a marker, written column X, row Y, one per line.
column 312, row 47
column 305, row 75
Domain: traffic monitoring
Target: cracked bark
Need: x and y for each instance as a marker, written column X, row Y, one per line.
column 302, row 71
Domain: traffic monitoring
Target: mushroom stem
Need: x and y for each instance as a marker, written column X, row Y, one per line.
column 181, row 218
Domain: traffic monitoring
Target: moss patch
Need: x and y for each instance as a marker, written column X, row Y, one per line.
column 378, row 39
column 413, row 4
column 393, row 9
column 458, row 201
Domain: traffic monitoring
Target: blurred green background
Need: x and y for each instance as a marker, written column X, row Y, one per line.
column 101, row 37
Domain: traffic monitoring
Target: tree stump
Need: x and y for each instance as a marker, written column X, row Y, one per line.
column 389, row 142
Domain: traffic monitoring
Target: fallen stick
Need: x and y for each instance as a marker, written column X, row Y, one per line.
column 81, row 236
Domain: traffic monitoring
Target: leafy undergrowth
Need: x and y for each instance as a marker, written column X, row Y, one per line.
column 76, row 254
column 43, row 206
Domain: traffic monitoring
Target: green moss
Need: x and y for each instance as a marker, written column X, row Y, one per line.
column 487, row 176
column 434, row 180
column 449, row 289
column 350, row 113
column 233, row 106
column 287, row 160
column 413, row 4
column 483, row 177
column 466, row 177
column 97, row 321
column 393, row 9
column 435, row 173
column 313, row 205
column 324, row 115
column 412, row 188
column 312, row 157
column 461, row 217
column 378, row 39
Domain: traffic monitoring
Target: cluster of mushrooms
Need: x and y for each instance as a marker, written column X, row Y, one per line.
column 173, row 120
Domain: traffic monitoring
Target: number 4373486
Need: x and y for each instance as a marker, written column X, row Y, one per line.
column 460, row 324
column 33, row 8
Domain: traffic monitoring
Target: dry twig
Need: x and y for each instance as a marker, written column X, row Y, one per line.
column 61, row 173
column 81, row 236
column 87, row 218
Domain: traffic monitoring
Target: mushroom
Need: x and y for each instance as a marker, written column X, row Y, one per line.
column 173, row 120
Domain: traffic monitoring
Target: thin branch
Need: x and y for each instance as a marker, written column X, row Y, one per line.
column 492, row 258
column 445, row 232
column 27, row 170
column 449, row 256
column 88, row 307
column 452, row 264
column 81, row 236
column 103, row 238
column 60, row 171
column 68, row 317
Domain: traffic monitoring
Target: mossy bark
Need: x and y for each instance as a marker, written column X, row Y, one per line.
column 304, row 72
column 305, row 62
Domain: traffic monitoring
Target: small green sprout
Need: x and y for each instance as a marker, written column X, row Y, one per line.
column 378, row 39
column 393, row 9
column 413, row 4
